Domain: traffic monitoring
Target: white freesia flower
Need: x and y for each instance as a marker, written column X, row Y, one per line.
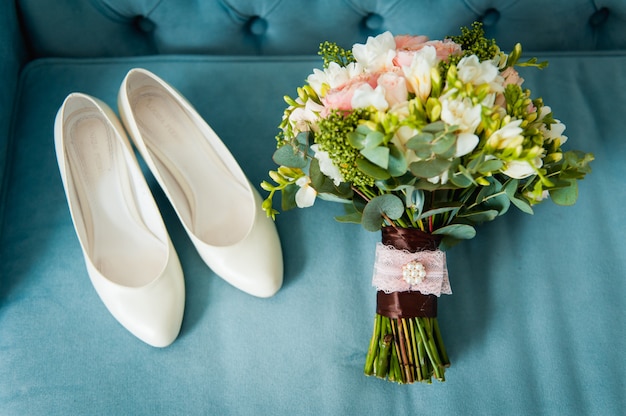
column 378, row 52
column 471, row 70
column 418, row 74
column 332, row 77
column 520, row 169
column 555, row 131
column 303, row 118
column 327, row 166
column 305, row 196
column 366, row 96
column 509, row 136
column 465, row 143
column 460, row 112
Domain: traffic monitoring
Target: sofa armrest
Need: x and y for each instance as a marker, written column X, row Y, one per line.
column 13, row 54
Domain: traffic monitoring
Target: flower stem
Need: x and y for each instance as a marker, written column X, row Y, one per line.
column 373, row 348
column 406, row 350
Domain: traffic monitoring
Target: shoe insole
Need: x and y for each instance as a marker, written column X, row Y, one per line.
column 214, row 205
column 119, row 243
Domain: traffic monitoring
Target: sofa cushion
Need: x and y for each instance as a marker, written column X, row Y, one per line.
column 535, row 325
column 269, row 27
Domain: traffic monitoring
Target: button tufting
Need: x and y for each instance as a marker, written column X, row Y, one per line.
column 373, row 21
column 144, row 24
column 491, row 17
column 599, row 17
column 257, row 25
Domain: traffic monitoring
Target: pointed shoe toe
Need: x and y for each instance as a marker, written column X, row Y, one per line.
column 253, row 264
column 129, row 257
column 218, row 207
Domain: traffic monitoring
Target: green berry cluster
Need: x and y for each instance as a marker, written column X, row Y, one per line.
column 331, row 52
column 333, row 138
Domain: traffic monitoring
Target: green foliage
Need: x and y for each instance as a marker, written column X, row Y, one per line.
column 404, row 166
column 334, row 136
column 387, row 206
column 331, row 52
column 474, row 42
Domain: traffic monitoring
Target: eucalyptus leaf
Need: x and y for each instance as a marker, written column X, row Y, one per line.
column 473, row 164
column 510, row 187
column 498, row 201
column 352, row 215
column 435, row 127
column 447, row 242
column 565, row 196
column 491, row 165
column 356, row 139
column 454, row 206
column 373, row 139
column 288, row 197
column 397, row 162
column 377, row 155
column 480, row 216
column 522, row 205
column 332, row 197
column 429, row 168
column 420, row 140
column 372, row 170
column 462, row 179
column 457, row 231
column 303, row 139
column 316, row 175
column 289, row 156
column 415, row 199
column 352, row 218
column 493, row 197
column 387, row 204
column 444, row 143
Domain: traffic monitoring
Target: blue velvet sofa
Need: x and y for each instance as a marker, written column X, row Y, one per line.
column 537, row 321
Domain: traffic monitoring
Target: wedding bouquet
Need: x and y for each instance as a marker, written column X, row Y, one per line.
column 424, row 140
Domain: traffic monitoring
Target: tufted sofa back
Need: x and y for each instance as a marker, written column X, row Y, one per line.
column 82, row 28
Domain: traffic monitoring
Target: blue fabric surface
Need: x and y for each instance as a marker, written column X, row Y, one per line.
column 536, row 324
column 268, row 27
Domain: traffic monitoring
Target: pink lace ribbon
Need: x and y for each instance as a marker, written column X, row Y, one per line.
column 392, row 265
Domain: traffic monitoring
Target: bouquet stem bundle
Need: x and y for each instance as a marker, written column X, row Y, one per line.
column 406, row 344
column 406, row 350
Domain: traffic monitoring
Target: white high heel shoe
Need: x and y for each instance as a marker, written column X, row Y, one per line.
column 129, row 256
column 214, row 200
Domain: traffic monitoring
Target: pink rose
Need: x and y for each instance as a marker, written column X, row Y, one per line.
column 395, row 88
column 340, row 98
column 511, row 76
column 409, row 42
column 444, row 49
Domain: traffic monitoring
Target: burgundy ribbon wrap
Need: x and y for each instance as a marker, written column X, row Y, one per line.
column 407, row 304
